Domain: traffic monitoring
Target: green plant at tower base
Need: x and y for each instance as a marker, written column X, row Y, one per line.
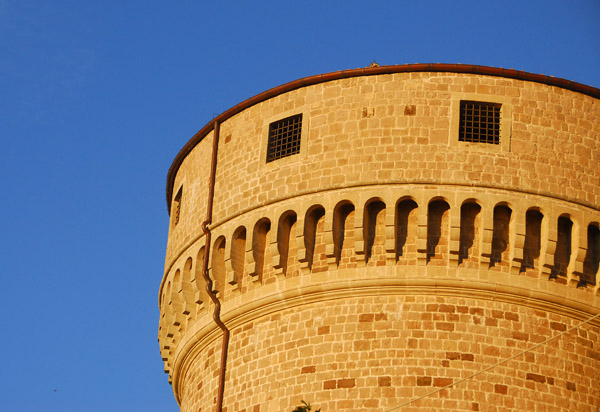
column 305, row 408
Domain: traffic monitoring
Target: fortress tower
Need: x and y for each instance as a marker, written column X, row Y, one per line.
column 370, row 236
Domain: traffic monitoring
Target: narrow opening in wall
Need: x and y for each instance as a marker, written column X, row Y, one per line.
column 218, row 266
column 287, row 225
column 479, row 122
column 469, row 231
column 341, row 217
column 259, row 245
column 591, row 262
column 186, row 287
column 168, row 293
column 313, row 237
column 176, row 209
column 437, row 230
column 169, row 313
column 173, row 286
column 174, row 297
column 175, row 300
column 238, row 254
column 533, row 235
column 284, row 137
column 200, row 292
column 406, row 229
column 562, row 255
column 500, row 236
column 374, row 230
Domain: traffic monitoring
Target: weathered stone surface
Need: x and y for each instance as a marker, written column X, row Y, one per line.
column 388, row 259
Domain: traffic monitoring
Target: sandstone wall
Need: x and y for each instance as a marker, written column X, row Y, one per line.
column 387, row 259
column 396, row 128
column 373, row 353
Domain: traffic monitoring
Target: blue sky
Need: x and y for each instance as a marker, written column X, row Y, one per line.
column 97, row 98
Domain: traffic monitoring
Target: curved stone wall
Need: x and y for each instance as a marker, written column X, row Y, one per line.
column 396, row 128
column 376, row 352
column 426, row 259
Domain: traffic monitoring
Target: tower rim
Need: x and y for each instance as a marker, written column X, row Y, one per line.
column 368, row 71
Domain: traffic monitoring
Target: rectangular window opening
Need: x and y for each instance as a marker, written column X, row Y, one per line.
column 177, row 207
column 284, row 137
column 479, row 122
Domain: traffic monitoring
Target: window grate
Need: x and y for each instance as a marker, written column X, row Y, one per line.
column 479, row 122
column 284, row 137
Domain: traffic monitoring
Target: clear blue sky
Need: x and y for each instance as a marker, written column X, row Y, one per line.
column 97, row 98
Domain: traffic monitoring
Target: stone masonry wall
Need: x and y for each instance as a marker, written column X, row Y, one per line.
column 387, row 259
column 373, row 353
column 396, row 128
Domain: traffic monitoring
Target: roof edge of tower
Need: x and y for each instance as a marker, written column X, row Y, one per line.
column 368, row 71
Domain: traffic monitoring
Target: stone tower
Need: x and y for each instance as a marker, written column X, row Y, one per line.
column 397, row 238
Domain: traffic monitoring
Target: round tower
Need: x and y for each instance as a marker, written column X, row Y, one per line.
column 396, row 238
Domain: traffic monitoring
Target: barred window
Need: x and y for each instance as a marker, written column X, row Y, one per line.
column 284, row 137
column 479, row 122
